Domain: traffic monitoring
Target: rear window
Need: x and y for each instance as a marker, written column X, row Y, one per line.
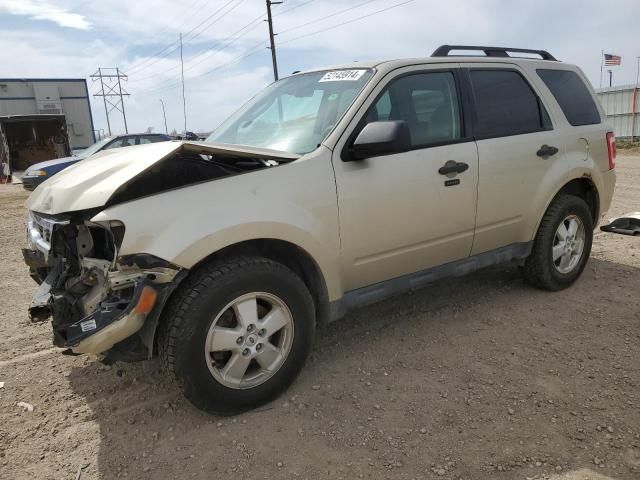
column 572, row 95
column 506, row 104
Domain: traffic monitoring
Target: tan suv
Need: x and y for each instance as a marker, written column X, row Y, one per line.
column 329, row 190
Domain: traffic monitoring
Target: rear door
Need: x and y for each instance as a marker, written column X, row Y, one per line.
column 398, row 214
column 517, row 148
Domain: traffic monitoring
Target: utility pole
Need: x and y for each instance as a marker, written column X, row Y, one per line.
column 184, row 98
column 111, row 87
column 164, row 114
column 271, row 39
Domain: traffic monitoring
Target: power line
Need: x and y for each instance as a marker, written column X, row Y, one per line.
column 208, row 53
column 247, row 53
column 251, row 51
column 135, row 65
column 347, row 22
column 156, row 59
column 278, row 13
column 275, row 14
column 302, row 25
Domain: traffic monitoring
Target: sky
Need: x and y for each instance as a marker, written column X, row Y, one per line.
column 226, row 59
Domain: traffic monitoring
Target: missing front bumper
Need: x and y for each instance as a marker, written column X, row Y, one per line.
column 111, row 324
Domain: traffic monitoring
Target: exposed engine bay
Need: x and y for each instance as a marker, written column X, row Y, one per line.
column 85, row 287
column 95, row 297
column 187, row 167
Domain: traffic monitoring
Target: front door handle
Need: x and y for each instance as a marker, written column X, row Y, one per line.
column 546, row 151
column 452, row 167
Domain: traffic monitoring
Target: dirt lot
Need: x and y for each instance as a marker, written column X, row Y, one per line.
column 481, row 377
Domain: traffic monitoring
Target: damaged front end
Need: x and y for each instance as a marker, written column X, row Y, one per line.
column 96, row 299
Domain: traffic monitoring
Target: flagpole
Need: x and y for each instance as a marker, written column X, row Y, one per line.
column 601, row 65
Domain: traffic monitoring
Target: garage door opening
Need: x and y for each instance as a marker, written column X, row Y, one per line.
column 27, row 140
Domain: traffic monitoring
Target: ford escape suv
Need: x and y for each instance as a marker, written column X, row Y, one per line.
column 331, row 189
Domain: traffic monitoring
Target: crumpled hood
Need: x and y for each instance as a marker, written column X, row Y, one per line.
column 90, row 183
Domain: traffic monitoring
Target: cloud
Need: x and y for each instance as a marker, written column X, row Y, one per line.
column 38, row 10
column 134, row 36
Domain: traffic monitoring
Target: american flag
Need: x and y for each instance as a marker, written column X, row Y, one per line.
column 612, row 59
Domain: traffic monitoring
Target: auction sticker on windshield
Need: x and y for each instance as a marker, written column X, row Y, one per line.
column 342, row 75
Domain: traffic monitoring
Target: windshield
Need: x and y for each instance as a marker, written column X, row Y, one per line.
column 91, row 149
column 294, row 114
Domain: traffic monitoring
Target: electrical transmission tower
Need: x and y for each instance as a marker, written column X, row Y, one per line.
column 111, row 92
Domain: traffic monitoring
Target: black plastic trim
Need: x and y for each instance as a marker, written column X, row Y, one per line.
column 413, row 281
column 103, row 317
column 444, row 51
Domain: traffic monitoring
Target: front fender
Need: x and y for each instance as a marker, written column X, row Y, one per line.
column 294, row 202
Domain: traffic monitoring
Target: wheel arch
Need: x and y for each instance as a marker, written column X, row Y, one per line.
column 291, row 256
column 583, row 187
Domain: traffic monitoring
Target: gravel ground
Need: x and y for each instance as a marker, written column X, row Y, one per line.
column 479, row 377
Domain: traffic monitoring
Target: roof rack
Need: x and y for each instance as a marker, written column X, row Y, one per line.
column 443, row 51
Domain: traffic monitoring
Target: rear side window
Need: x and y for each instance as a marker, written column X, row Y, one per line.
column 572, row 95
column 506, row 104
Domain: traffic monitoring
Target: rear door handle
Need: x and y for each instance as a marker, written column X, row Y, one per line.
column 452, row 167
column 546, row 151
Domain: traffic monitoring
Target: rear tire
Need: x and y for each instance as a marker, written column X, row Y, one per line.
column 214, row 323
column 562, row 245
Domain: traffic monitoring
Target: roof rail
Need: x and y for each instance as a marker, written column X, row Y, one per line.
column 443, row 51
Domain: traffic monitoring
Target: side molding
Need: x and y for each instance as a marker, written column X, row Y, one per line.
column 414, row 281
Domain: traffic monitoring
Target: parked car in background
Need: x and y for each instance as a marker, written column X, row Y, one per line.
column 190, row 136
column 38, row 173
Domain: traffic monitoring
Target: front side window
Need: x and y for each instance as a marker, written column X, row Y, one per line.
column 428, row 102
column 506, row 104
column 294, row 114
column 572, row 95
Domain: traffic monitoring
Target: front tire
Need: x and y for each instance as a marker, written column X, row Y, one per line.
column 237, row 333
column 562, row 245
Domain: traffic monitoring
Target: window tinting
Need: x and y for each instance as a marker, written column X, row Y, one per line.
column 428, row 102
column 505, row 104
column 572, row 95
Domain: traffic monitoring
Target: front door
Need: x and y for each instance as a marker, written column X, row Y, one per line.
column 398, row 214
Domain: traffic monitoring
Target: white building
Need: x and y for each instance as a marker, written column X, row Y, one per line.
column 69, row 97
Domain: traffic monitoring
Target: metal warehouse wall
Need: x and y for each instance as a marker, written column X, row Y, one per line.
column 68, row 96
column 618, row 103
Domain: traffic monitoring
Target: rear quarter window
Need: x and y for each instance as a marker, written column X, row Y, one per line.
column 572, row 95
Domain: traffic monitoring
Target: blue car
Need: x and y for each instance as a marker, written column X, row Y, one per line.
column 38, row 173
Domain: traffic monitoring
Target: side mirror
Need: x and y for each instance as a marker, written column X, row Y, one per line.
column 381, row 138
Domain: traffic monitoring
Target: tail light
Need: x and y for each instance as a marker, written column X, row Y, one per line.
column 611, row 149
